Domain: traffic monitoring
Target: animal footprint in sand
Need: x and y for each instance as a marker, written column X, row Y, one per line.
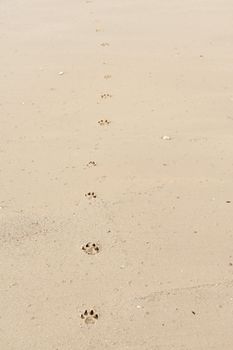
column 89, row 317
column 90, row 195
column 105, row 96
column 91, row 248
column 104, row 44
column 103, row 122
column 166, row 138
column 91, row 164
column 107, row 76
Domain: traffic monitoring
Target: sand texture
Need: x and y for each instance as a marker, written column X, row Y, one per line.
column 116, row 173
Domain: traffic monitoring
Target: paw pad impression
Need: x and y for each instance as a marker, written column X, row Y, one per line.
column 89, row 317
column 103, row 122
column 90, row 195
column 91, row 248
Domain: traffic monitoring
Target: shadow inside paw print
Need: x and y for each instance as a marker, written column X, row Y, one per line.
column 91, row 164
column 105, row 96
column 104, row 44
column 103, row 122
column 91, row 248
column 89, row 317
column 90, row 195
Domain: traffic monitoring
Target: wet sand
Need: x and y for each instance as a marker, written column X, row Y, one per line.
column 116, row 132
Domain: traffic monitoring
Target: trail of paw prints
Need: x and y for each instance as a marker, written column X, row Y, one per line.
column 89, row 317
column 91, row 248
column 104, row 122
column 90, row 195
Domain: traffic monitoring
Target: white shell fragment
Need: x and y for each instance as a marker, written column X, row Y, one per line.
column 60, row 73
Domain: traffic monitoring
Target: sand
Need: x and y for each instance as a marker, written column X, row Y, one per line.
column 130, row 100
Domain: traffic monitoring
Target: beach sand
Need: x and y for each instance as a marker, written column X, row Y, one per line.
column 130, row 101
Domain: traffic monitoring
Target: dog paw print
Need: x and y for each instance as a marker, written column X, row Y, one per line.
column 89, row 317
column 105, row 96
column 90, row 195
column 105, row 44
column 103, row 122
column 91, row 248
column 91, row 164
column 107, row 76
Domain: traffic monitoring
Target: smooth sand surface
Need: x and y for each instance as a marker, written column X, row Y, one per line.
column 161, row 72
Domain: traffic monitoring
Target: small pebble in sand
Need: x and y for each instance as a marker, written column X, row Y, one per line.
column 166, row 138
column 60, row 73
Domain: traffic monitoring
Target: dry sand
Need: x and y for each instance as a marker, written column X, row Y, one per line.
column 162, row 217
